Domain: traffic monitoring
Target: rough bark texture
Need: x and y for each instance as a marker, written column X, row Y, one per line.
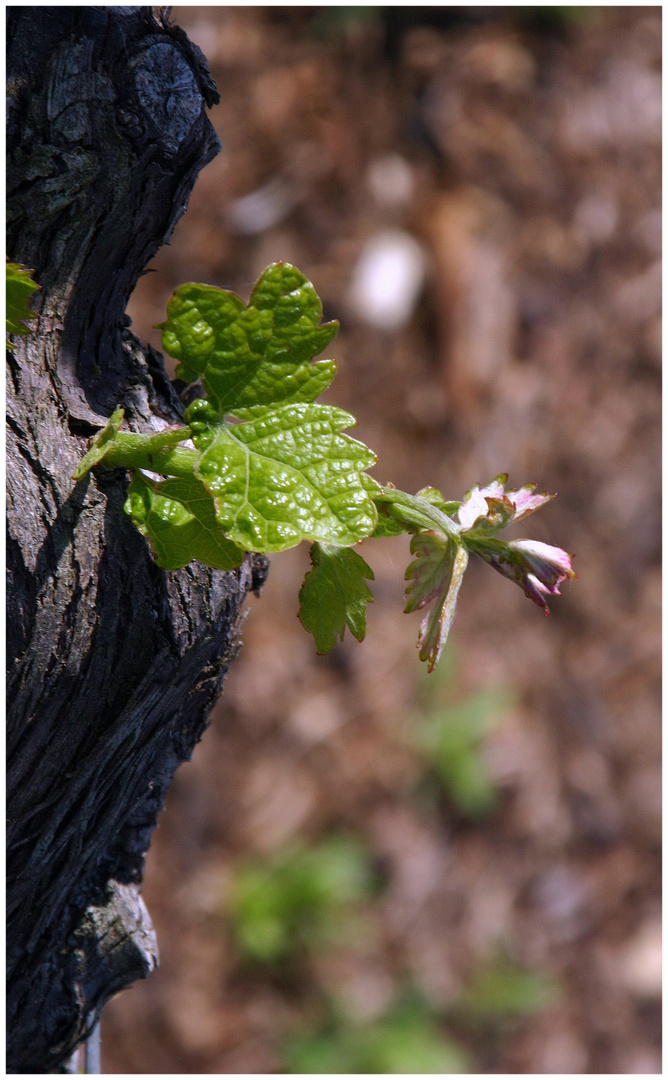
column 113, row 663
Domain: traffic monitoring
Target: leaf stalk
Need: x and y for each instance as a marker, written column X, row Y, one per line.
column 418, row 509
column 155, row 453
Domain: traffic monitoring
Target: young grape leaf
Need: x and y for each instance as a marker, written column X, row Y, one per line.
column 429, row 573
column 300, row 386
column 290, row 475
column 177, row 518
column 435, row 574
column 334, row 595
column 255, row 355
column 20, row 287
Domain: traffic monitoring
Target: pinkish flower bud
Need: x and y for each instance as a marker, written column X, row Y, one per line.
column 538, row 568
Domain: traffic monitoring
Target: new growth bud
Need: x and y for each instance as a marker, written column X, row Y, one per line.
column 538, row 568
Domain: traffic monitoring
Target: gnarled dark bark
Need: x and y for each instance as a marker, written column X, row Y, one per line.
column 114, row 664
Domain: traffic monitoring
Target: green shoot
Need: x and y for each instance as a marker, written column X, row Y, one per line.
column 260, row 466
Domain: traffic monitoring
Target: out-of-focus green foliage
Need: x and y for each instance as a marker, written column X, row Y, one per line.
column 502, row 991
column 304, row 900
column 410, row 1037
column 450, row 738
column 299, row 899
column 20, row 287
column 408, row 1040
column 339, row 20
column 553, row 17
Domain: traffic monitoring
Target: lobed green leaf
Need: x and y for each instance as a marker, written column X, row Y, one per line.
column 177, row 518
column 255, row 355
column 335, row 595
column 290, row 475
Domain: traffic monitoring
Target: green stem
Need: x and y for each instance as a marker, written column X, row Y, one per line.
column 156, row 453
column 486, row 546
column 418, row 509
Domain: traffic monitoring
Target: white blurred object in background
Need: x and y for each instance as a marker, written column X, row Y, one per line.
column 391, row 182
column 387, row 280
column 263, row 208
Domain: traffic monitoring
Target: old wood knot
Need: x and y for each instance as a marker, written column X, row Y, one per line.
column 168, row 92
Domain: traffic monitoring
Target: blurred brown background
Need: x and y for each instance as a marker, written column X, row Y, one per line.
column 366, row 868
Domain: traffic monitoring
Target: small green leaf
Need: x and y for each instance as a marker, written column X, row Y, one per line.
column 290, row 475
column 430, row 572
column 177, row 518
column 334, row 595
column 20, row 287
column 255, row 355
column 304, row 384
column 437, row 572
